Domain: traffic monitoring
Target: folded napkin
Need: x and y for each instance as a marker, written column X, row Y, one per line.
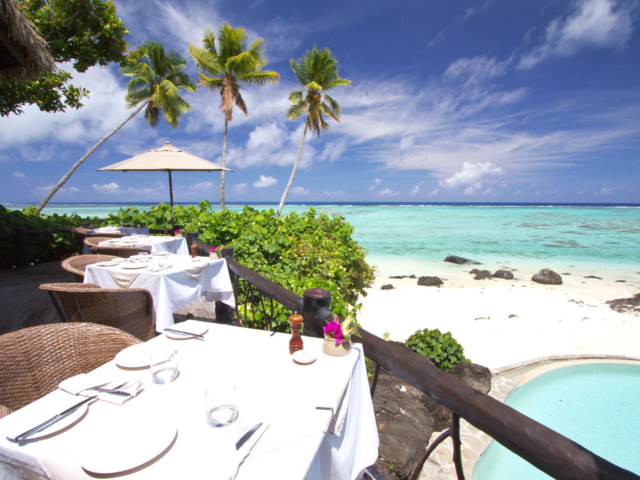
column 124, row 278
column 80, row 385
column 159, row 269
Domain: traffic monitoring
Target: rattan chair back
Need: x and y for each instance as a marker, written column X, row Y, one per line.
column 33, row 361
column 78, row 264
column 95, row 241
column 130, row 309
column 105, row 234
column 124, row 252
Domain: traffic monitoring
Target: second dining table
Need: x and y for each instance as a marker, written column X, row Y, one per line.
column 174, row 281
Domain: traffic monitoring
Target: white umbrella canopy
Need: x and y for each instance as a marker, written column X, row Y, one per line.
column 165, row 159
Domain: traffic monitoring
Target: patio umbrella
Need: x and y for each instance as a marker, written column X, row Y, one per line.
column 165, row 159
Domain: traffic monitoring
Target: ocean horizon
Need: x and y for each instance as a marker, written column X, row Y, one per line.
column 583, row 238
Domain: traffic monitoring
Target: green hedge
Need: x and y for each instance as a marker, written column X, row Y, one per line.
column 297, row 251
column 42, row 248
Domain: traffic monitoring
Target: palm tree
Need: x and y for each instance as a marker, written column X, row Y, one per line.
column 157, row 80
column 226, row 68
column 317, row 72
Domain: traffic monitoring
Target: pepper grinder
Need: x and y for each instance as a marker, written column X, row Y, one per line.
column 193, row 250
column 295, row 344
column 166, row 232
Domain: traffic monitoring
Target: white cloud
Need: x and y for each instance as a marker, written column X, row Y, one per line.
column 436, row 40
column 333, row 150
column 517, row 193
column 476, row 69
column 472, row 189
column 108, row 189
column 201, row 187
column 19, row 175
column 334, row 193
column 299, row 191
column 240, row 187
column 488, row 191
column 265, row 182
column 415, row 191
column 61, row 191
column 592, row 23
column 610, row 190
column 387, row 192
column 376, row 182
column 472, row 174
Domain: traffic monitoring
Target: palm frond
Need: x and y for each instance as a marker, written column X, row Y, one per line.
column 295, row 110
column 295, row 96
column 259, row 78
column 240, row 103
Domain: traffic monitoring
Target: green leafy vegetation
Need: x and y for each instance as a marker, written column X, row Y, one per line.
column 297, row 251
column 441, row 348
column 42, row 248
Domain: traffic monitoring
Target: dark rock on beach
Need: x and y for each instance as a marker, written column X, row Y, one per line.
column 513, row 315
column 482, row 274
column 621, row 281
column 430, row 281
column 403, row 276
column 547, row 277
column 387, row 287
column 456, row 259
column 593, row 276
column 503, row 274
column 474, row 375
column 626, row 305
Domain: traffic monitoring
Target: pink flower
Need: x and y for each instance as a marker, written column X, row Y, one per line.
column 213, row 249
column 178, row 231
column 334, row 330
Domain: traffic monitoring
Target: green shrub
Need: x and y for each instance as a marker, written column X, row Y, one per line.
column 441, row 348
column 42, row 248
column 297, row 251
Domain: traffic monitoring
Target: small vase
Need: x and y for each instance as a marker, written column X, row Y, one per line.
column 178, row 235
column 340, row 350
column 215, row 256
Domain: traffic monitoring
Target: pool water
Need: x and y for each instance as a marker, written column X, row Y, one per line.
column 596, row 405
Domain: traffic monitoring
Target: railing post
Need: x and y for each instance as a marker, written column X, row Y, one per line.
column 23, row 248
column 315, row 310
column 189, row 237
column 455, row 436
column 224, row 313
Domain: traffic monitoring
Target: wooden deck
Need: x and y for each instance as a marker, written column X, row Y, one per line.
column 23, row 304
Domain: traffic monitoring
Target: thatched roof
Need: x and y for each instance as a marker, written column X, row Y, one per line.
column 23, row 55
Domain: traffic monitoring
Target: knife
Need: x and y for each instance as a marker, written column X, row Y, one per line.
column 52, row 420
column 180, row 332
column 114, row 392
column 247, row 435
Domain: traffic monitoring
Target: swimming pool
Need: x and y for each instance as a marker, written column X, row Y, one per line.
column 594, row 404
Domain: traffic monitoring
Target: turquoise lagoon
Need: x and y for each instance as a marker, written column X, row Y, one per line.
column 593, row 404
column 414, row 239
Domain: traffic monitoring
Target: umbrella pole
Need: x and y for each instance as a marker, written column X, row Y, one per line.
column 171, row 194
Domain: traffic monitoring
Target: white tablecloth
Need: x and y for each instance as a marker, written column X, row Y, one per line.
column 174, row 288
column 177, row 245
column 271, row 388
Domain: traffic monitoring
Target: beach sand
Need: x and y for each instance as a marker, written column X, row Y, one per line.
column 477, row 312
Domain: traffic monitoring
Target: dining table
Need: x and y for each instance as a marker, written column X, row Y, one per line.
column 124, row 231
column 174, row 281
column 155, row 244
column 316, row 420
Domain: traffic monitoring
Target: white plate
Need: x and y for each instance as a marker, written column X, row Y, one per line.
column 304, row 357
column 133, row 240
column 196, row 328
column 125, row 443
column 132, row 266
column 107, row 264
column 160, row 254
column 53, row 408
column 136, row 356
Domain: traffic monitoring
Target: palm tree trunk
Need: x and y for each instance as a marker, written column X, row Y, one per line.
column 293, row 174
column 224, row 159
column 67, row 175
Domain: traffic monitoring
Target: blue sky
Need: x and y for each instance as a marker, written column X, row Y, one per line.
column 487, row 101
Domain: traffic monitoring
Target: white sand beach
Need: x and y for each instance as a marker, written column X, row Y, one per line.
column 551, row 320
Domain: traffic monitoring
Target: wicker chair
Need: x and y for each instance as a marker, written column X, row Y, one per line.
column 130, row 309
column 95, row 241
column 124, row 252
column 78, row 264
column 33, row 361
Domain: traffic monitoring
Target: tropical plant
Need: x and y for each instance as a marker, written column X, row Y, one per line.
column 225, row 69
column 157, row 80
column 441, row 348
column 86, row 33
column 317, row 72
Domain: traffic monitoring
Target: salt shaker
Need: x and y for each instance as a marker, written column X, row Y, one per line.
column 295, row 344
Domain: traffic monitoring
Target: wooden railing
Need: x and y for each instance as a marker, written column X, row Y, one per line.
column 21, row 233
column 546, row 449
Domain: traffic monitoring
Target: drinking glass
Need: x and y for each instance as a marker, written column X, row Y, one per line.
column 221, row 404
column 143, row 256
column 164, row 366
column 162, row 260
